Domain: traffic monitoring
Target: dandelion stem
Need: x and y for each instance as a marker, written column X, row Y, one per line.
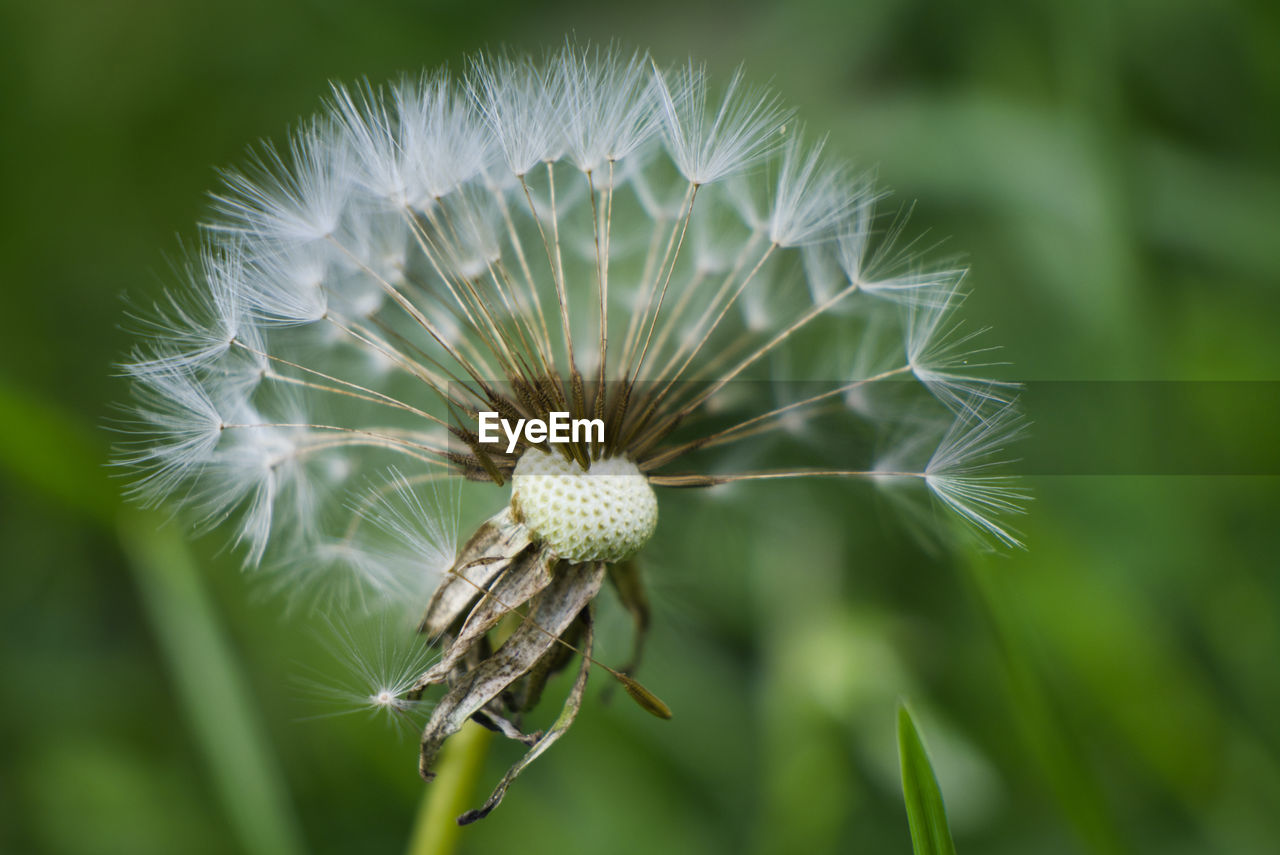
column 436, row 830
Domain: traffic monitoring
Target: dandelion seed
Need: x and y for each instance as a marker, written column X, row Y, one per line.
column 711, row 144
column 520, row 108
column 591, row 238
column 812, row 198
column 608, row 105
column 965, row 472
column 377, row 663
column 295, row 200
column 944, row 357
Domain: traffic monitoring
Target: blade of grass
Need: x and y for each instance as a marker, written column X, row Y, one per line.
column 930, row 833
column 56, row 455
column 1044, row 733
column 211, row 687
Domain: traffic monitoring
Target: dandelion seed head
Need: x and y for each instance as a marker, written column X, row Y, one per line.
column 590, row 234
column 589, row 216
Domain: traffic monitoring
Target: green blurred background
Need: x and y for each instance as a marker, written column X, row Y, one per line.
column 1110, row 170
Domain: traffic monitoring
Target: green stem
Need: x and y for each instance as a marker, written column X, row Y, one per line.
column 436, row 829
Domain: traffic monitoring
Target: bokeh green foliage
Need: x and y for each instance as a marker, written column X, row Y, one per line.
column 1110, row 171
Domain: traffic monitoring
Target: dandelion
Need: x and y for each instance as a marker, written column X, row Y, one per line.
column 587, row 237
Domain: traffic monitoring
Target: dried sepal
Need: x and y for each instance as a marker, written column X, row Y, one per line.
column 523, row 695
column 625, row 578
column 551, row 612
column 567, row 715
column 497, row 543
column 522, row 579
column 498, row 722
